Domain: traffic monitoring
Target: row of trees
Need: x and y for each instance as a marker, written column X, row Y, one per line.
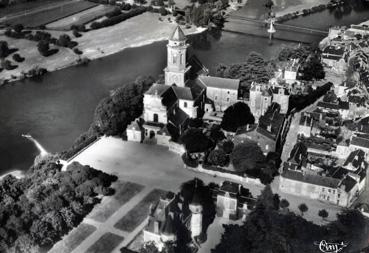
column 114, row 113
column 37, row 210
column 118, row 18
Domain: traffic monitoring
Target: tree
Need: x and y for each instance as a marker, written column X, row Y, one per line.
column 43, row 47
column 323, row 213
column 228, row 146
column 246, row 156
column 196, row 141
column 18, row 28
column 218, row 158
column 236, row 116
column 303, row 208
column 64, row 40
column 4, row 51
column 284, row 204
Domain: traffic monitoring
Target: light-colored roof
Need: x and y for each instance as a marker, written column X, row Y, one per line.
column 219, row 82
column 178, row 34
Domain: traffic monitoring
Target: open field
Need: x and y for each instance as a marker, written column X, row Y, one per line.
column 139, row 213
column 124, row 192
column 29, row 6
column 43, row 17
column 73, row 239
column 105, row 244
column 28, row 50
column 81, row 18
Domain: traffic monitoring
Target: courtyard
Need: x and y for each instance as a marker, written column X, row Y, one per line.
column 144, row 173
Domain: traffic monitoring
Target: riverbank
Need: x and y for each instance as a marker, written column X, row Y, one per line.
column 282, row 8
column 16, row 173
column 135, row 32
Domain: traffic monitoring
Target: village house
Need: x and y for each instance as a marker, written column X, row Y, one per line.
column 337, row 185
column 233, row 201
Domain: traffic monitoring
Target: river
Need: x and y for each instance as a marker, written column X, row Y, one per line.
column 59, row 108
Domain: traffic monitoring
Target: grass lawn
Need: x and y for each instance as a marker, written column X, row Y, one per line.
column 46, row 16
column 105, row 244
column 73, row 239
column 81, row 18
column 124, row 192
column 139, row 213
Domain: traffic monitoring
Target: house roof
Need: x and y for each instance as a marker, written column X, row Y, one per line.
column 356, row 158
column 178, row 34
column 219, row 82
column 134, row 126
column 271, row 122
column 331, row 50
column 328, row 105
column 360, row 142
column 183, row 93
column 157, row 89
column 349, row 183
column 311, row 179
column 298, row 154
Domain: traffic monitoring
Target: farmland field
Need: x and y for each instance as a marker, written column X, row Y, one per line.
column 29, row 6
column 81, row 18
column 48, row 15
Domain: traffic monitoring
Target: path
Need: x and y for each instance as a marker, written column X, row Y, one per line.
column 108, row 226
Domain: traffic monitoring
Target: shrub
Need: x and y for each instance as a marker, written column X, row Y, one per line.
column 189, row 161
column 218, row 158
column 76, row 34
column 77, row 51
column 9, row 66
column 163, row 11
column 18, row 28
column 43, row 47
column 113, row 13
column 18, row 58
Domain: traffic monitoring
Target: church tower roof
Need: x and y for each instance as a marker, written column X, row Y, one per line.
column 178, row 34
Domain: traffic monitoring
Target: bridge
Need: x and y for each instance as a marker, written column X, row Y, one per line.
column 244, row 21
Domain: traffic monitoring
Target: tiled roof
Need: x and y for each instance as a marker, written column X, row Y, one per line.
column 349, row 183
column 356, row 158
column 220, row 83
column 157, row 89
column 327, row 105
column 360, row 142
column 333, row 51
column 183, row 93
column 311, row 179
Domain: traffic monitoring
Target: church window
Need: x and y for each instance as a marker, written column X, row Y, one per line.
column 156, row 117
column 216, row 97
column 174, row 58
column 181, row 59
column 227, row 99
column 185, row 104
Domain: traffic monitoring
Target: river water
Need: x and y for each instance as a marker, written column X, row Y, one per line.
column 59, row 108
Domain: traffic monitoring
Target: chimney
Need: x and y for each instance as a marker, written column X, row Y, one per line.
column 156, row 227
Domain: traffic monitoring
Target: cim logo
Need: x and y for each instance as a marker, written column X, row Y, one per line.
column 329, row 247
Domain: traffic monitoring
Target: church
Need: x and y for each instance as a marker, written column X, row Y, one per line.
column 168, row 107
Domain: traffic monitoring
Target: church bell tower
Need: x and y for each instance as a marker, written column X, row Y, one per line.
column 176, row 60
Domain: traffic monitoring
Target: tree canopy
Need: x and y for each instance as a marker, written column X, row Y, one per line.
column 37, row 210
column 246, row 156
column 254, row 69
column 236, row 116
column 196, row 141
column 269, row 230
